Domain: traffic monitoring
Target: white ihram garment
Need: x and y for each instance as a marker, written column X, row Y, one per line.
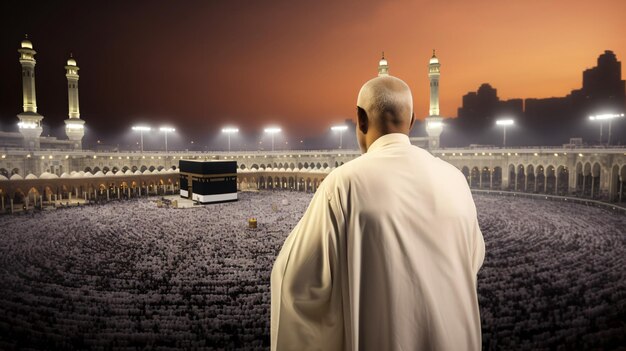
column 385, row 258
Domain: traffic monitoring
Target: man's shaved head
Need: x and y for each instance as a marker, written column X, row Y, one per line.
column 384, row 106
column 386, row 97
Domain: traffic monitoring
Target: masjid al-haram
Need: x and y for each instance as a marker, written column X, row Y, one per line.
column 130, row 275
column 124, row 246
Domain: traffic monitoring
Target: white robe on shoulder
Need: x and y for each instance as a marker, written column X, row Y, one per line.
column 385, row 258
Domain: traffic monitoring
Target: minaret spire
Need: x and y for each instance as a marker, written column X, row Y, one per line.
column 74, row 126
column 433, row 77
column 30, row 120
column 383, row 66
column 434, row 122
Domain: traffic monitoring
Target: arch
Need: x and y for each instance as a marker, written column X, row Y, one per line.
column 5, row 173
column 512, row 177
column 32, row 196
column 47, row 192
column 115, row 169
column 613, row 183
column 262, row 184
column 621, row 190
column 531, row 178
column 87, row 169
column 336, row 164
column 254, row 166
column 173, row 167
column 474, row 177
column 292, row 165
column 540, row 179
column 306, row 165
column 277, row 183
column 318, row 166
column 595, row 173
column 151, row 168
column 242, row 166
column 583, row 184
column 485, row 177
column 280, row 165
column 18, row 196
column 142, row 169
column 496, row 178
column 325, row 165
column 95, row 170
column 562, row 180
column 160, row 168
column 300, row 165
column 283, row 183
column 466, row 172
column 550, row 180
column 105, row 170
column 125, row 168
column 133, row 169
column 15, row 171
column 520, row 178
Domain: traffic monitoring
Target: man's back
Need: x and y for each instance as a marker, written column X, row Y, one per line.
column 413, row 250
column 394, row 267
column 386, row 255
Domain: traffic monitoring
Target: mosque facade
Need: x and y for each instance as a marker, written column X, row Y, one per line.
column 42, row 169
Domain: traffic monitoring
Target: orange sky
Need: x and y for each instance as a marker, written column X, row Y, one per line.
column 300, row 63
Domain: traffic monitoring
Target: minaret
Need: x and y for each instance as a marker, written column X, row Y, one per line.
column 434, row 123
column 74, row 126
column 433, row 77
column 383, row 67
column 30, row 120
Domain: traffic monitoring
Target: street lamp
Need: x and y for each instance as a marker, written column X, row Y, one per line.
column 504, row 123
column 229, row 131
column 166, row 130
column 339, row 129
column 272, row 131
column 608, row 116
column 141, row 129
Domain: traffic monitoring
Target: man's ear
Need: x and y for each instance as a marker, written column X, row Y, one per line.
column 412, row 121
column 362, row 121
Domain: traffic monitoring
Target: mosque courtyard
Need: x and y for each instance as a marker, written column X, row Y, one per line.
column 129, row 275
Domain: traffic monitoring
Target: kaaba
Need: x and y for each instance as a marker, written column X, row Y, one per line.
column 208, row 181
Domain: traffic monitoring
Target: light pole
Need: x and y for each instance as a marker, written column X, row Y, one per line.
column 228, row 132
column 272, row 131
column 608, row 116
column 166, row 130
column 141, row 129
column 504, row 123
column 339, row 129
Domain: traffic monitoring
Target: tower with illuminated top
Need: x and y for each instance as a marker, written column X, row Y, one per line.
column 30, row 121
column 74, row 126
column 434, row 122
column 383, row 66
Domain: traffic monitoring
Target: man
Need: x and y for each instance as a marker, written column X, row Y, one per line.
column 386, row 255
